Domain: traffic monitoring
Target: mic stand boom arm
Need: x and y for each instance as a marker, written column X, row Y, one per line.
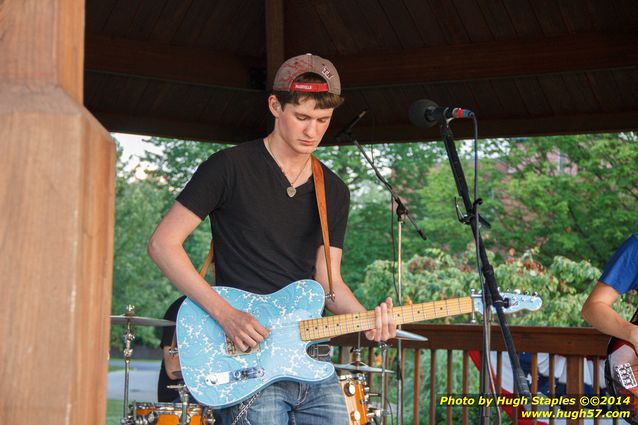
column 491, row 290
column 401, row 209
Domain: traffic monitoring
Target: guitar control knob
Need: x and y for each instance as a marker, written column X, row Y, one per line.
column 349, row 389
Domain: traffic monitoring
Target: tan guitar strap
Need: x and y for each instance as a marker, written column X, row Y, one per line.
column 208, row 261
column 320, row 191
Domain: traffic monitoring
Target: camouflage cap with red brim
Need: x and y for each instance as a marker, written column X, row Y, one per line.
column 295, row 66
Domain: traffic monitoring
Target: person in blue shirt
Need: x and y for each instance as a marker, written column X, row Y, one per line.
column 620, row 276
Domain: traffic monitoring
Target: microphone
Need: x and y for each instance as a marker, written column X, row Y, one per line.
column 346, row 131
column 425, row 113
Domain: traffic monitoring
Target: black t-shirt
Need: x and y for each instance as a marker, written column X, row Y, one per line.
column 167, row 395
column 263, row 238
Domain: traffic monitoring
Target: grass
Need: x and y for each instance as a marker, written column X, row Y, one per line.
column 114, row 411
column 114, row 407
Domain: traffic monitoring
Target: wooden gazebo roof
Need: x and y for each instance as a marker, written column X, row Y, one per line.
column 199, row 69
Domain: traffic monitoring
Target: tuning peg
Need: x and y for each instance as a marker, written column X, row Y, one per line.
column 517, row 291
column 535, row 294
column 526, row 293
column 472, row 291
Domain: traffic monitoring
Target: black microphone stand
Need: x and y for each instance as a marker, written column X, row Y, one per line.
column 491, row 296
column 402, row 213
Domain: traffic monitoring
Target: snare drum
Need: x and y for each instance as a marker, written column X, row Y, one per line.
column 356, row 399
column 169, row 414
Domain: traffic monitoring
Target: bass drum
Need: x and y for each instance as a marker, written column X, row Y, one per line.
column 170, row 413
column 353, row 389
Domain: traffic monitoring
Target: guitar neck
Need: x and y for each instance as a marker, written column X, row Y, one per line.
column 332, row 326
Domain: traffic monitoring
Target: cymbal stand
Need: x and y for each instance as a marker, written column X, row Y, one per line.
column 384, row 357
column 129, row 337
column 184, row 418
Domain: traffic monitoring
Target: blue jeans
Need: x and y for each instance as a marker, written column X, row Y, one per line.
column 294, row 403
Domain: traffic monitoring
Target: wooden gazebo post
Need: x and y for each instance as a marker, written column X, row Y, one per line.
column 57, row 179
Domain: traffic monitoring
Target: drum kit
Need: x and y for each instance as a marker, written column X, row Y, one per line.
column 361, row 411
column 356, row 391
column 145, row 413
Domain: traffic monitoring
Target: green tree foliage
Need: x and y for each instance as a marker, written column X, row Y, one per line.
column 140, row 205
column 372, row 228
column 570, row 196
column 136, row 279
column 436, row 275
column 574, row 196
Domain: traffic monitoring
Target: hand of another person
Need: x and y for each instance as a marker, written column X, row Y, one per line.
column 633, row 337
column 243, row 329
column 385, row 328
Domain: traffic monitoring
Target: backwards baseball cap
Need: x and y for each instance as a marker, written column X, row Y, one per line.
column 295, row 66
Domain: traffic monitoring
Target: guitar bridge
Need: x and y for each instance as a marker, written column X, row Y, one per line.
column 625, row 376
column 232, row 350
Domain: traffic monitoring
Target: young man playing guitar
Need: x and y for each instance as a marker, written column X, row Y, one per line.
column 619, row 277
column 260, row 196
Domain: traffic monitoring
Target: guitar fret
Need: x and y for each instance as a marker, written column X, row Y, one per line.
column 332, row 326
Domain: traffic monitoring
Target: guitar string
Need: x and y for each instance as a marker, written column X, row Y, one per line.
column 353, row 322
column 463, row 304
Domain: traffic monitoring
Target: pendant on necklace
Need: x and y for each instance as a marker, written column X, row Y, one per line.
column 291, row 191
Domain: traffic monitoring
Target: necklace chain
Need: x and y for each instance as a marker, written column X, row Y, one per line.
column 291, row 190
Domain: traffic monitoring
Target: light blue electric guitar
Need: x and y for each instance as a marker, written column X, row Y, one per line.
column 219, row 375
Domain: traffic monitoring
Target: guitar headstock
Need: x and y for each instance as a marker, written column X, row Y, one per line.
column 515, row 301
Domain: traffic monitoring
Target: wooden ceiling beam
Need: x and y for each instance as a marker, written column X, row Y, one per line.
column 501, row 59
column 186, row 130
column 498, row 59
column 275, row 43
column 404, row 132
column 181, row 64
column 500, row 127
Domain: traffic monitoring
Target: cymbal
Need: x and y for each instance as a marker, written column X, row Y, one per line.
column 401, row 334
column 139, row 320
column 361, row 367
